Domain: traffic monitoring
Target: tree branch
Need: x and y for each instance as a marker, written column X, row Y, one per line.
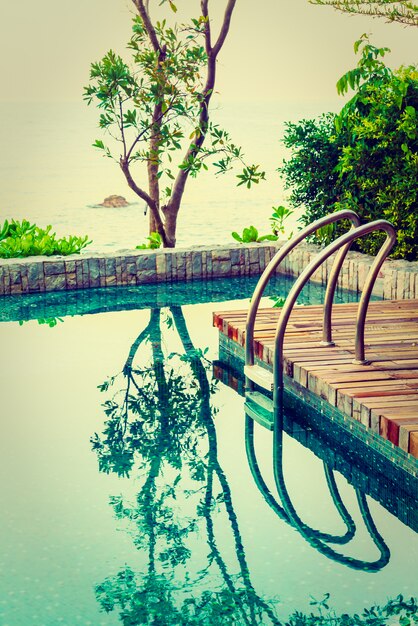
column 122, row 128
column 196, row 144
column 205, row 13
column 143, row 12
column 143, row 132
column 124, row 165
column 225, row 27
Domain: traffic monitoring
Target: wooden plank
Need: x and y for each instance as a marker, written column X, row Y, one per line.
column 405, row 431
column 390, row 425
column 383, row 394
column 413, row 444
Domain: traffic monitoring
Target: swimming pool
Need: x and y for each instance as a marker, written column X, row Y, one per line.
column 126, row 491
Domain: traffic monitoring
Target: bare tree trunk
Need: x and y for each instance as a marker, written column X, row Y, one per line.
column 212, row 52
column 170, row 226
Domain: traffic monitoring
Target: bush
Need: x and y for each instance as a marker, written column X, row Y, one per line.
column 22, row 239
column 364, row 158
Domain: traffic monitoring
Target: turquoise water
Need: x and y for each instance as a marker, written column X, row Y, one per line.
column 136, row 497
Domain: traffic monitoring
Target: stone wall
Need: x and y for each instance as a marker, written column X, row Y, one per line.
column 397, row 279
column 130, row 267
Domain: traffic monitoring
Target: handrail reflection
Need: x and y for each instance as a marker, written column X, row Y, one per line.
column 287, row 512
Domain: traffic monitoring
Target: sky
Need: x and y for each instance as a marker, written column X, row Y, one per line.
column 277, row 50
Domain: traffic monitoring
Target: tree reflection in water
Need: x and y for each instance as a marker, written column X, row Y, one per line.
column 162, row 424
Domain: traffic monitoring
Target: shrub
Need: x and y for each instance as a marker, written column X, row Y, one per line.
column 22, row 239
column 364, row 158
column 251, row 235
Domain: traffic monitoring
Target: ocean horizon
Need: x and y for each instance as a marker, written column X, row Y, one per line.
column 51, row 174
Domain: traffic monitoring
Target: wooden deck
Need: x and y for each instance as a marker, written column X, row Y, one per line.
column 382, row 395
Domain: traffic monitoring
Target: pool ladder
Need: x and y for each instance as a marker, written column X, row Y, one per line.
column 273, row 381
column 269, row 413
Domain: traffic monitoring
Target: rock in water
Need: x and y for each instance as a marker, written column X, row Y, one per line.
column 114, row 202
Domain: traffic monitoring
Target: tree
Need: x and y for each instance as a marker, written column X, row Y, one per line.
column 364, row 158
column 402, row 11
column 160, row 107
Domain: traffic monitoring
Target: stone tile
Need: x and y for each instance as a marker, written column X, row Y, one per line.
column 237, row 256
column 131, row 268
column 209, row 264
column 24, row 275
column 222, row 268
column 412, row 290
column 71, row 280
column 118, row 271
column 161, row 267
column 86, row 281
column 70, row 266
column 223, row 254
column 102, row 268
column 110, row 281
column 16, row 288
column 146, row 276
column 110, row 267
column 94, row 273
column 146, row 262
column 52, row 268
column 181, row 266
column 36, row 276
column 388, row 285
column 15, row 275
column 169, row 265
column 79, row 274
column 55, row 282
column 196, row 262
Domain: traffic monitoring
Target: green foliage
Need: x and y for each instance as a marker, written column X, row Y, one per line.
column 278, row 219
column 278, row 302
column 22, row 239
column 364, row 158
column 129, row 94
column 402, row 11
column 154, row 241
column 49, row 321
column 250, row 235
column 396, row 612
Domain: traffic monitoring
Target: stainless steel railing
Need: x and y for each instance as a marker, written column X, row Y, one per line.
column 341, row 243
column 278, row 258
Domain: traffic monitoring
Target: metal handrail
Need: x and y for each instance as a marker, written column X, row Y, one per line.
column 342, row 242
column 278, row 258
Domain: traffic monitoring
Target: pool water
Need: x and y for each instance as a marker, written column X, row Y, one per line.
column 126, row 491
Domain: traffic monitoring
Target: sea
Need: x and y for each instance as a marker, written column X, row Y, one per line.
column 51, row 174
